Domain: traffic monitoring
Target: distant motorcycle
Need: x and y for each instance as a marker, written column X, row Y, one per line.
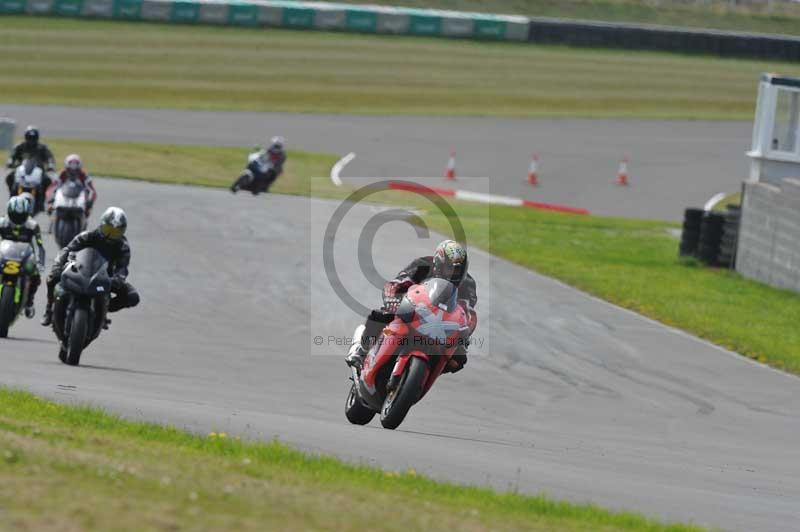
column 17, row 263
column 81, row 304
column 409, row 356
column 69, row 207
column 257, row 177
column 29, row 177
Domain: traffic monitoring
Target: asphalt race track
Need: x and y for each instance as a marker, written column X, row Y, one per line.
column 674, row 164
column 567, row 395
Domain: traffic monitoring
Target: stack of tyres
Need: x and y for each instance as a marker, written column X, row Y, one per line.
column 710, row 237
column 690, row 236
column 730, row 236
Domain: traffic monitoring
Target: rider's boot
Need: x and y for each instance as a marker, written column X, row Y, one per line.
column 30, row 311
column 47, row 319
column 355, row 358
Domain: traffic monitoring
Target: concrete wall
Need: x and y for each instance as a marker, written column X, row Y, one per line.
column 769, row 236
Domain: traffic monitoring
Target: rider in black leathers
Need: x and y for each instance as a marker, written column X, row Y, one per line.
column 109, row 239
column 449, row 262
column 31, row 148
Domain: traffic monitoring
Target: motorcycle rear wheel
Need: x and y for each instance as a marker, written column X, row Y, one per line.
column 77, row 336
column 357, row 413
column 7, row 311
column 402, row 398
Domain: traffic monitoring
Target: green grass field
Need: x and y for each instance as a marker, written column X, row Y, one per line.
column 206, row 166
column 118, row 64
column 71, row 468
column 763, row 17
column 632, row 263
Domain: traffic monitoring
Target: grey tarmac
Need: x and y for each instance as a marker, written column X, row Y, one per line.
column 673, row 164
column 568, row 395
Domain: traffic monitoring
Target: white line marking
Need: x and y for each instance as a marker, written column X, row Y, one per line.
column 339, row 166
column 716, row 198
column 487, row 198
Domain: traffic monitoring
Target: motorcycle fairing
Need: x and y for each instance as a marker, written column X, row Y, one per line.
column 429, row 312
column 87, row 274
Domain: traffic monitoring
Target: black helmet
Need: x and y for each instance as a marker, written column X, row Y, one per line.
column 31, row 135
column 18, row 210
column 113, row 223
column 450, row 262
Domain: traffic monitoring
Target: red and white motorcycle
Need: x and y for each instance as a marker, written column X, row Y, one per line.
column 69, row 211
column 410, row 354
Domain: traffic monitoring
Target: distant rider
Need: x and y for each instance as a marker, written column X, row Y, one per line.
column 108, row 239
column 73, row 171
column 20, row 227
column 31, row 148
column 259, row 164
column 449, row 262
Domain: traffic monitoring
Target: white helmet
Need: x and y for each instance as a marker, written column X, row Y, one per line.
column 73, row 162
column 113, row 223
column 18, row 210
column 277, row 142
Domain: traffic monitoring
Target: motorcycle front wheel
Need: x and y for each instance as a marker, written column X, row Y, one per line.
column 67, row 230
column 77, row 336
column 7, row 311
column 400, row 400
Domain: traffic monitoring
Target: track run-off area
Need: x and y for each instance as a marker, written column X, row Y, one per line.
column 673, row 164
column 563, row 393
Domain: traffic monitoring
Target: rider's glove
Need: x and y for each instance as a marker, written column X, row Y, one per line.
column 392, row 293
column 393, row 288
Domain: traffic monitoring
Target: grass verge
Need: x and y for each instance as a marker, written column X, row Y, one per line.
column 76, row 468
column 206, row 166
column 632, row 263
column 122, row 64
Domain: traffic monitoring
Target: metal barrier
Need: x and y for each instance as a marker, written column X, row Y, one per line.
column 421, row 22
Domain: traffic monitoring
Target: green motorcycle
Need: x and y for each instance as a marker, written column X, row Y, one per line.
column 17, row 265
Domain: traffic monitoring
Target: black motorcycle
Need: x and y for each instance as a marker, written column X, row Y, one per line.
column 69, row 205
column 17, row 264
column 81, row 303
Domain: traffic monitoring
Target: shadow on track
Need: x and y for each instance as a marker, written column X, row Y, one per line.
column 460, row 438
column 31, row 340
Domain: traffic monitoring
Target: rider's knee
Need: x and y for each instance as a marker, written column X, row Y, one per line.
column 133, row 299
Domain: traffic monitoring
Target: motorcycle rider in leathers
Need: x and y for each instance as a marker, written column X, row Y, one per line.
column 109, row 239
column 19, row 226
column 259, row 163
column 73, row 169
column 449, row 262
column 31, row 148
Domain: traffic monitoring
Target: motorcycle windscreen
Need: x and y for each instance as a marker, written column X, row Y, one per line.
column 70, row 196
column 71, row 189
column 18, row 251
column 29, row 174
column 87, row 274
column 442, row 293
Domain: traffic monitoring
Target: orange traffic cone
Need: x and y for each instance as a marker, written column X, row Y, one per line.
column 622, row 173
column 533, row 171
column 450, row 171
